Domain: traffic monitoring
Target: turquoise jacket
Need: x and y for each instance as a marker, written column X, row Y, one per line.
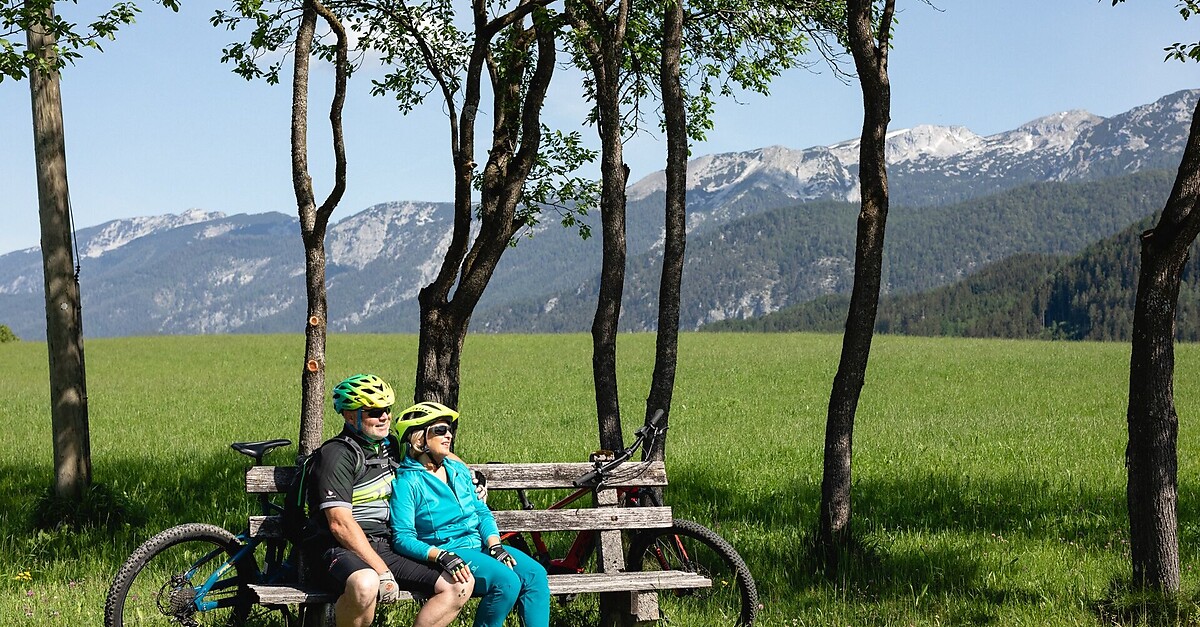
column 426, row 512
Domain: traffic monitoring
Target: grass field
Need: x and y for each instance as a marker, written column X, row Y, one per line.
column 988, row 475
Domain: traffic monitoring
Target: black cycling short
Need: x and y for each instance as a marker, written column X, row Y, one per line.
column 335, row 564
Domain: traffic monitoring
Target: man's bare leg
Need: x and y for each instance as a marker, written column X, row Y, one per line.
column 356, row 606
column 448, row 598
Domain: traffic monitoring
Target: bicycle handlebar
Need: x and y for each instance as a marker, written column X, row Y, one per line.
column 597, row 474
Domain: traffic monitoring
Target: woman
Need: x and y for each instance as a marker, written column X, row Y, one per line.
column 436, row 517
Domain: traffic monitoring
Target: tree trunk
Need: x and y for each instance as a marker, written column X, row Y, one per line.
column 870, row 59
column 608, row 306
column 312, row 380
column 1152, row 489
column 439, row 349
column 314, row 220
column 666, row 354
column 64, row 322
column 603, row 52
column 519, row 93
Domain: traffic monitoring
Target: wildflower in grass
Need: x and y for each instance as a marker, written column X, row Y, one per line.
column 23, row 576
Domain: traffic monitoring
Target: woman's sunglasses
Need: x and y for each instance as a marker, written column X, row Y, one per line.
column 438, row 431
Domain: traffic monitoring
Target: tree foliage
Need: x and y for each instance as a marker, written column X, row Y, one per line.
column 72, row 39
column 6, row 335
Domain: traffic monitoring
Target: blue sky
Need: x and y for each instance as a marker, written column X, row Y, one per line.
column 156, row 124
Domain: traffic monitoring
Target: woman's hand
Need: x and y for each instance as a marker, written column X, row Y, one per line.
column 497, row 551
column 454, row 566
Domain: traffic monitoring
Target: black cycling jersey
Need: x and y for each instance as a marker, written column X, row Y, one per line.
column 340, row 478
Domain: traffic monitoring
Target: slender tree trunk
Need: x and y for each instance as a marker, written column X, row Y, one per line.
column 64, row 322
column 314, row 220
column 603, row 52
column 312, row 379
column 1152, row 489
column 666, row 356
column 870, row 58
column 608, row 307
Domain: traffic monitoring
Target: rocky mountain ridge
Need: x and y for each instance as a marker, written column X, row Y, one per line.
column 204, row 272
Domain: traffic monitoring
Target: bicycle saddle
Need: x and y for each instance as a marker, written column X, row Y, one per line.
column 258, row 449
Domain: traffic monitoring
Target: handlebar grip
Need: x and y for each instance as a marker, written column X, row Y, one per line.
column 657, row 418
column 586, row 479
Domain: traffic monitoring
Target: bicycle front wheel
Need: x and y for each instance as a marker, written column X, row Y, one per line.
column 182, row 576
column 688, row 546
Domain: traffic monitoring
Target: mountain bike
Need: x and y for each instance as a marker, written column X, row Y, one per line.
column 197, row 574
column 686, row 546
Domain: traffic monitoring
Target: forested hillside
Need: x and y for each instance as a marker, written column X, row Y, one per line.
column 1088, row 296
column 765, row 262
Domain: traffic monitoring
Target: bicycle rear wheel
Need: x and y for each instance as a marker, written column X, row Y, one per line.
column 161, row 582
column 688, row 546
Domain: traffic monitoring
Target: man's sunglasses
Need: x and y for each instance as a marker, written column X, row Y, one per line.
column 438, row 431
column 377, row 412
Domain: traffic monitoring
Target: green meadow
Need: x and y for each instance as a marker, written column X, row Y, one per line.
column 988, row 474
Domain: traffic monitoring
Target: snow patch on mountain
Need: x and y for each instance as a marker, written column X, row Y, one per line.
column 115, row 234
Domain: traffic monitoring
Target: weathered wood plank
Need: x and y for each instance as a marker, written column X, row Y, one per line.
column 547, row 476
column 559, row 584
column 626, row 582
column 295, row 595
column 268, row 479
column 582, row 519
column 266, row 527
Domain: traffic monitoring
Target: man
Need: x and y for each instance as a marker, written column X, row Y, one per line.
column 348, row 495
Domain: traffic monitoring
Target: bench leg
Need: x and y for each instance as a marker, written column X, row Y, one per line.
column 628, row 609
column 317, row 615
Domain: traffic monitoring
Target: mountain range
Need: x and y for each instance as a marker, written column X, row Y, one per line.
column 1086, row 296
column 767, row 228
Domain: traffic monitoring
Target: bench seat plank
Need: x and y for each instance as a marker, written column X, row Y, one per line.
column 559, row 584
column 626, row 582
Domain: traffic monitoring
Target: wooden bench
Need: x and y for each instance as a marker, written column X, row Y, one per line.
column 627, row 598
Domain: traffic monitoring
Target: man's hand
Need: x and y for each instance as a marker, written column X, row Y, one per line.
column 497, row 551
column 454, row 566
column 389, row 590
column 480, row 482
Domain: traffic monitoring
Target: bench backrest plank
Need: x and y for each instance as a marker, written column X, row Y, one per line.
column 271, row 479
column 581, row 519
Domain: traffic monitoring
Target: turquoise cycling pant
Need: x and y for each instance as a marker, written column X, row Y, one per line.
column 501, row 588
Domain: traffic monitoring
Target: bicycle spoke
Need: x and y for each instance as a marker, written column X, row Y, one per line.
column 181, row 577
column 732, row 599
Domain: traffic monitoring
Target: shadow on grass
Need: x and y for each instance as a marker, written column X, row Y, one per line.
column 920, row 540
column 1124, row 604
column 167, row 490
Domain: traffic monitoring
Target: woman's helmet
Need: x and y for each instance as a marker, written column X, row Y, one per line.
column 422, row 414
column 362, row 390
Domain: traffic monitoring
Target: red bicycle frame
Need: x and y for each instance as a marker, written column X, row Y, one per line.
column 585, row 541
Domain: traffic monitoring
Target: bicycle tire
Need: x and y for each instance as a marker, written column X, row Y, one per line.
column 156, row 585
column 691, row 547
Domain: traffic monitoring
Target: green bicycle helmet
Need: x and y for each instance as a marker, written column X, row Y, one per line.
column 362, row 390
column 422, row 414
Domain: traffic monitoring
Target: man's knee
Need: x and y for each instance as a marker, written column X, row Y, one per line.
column 362, row 587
